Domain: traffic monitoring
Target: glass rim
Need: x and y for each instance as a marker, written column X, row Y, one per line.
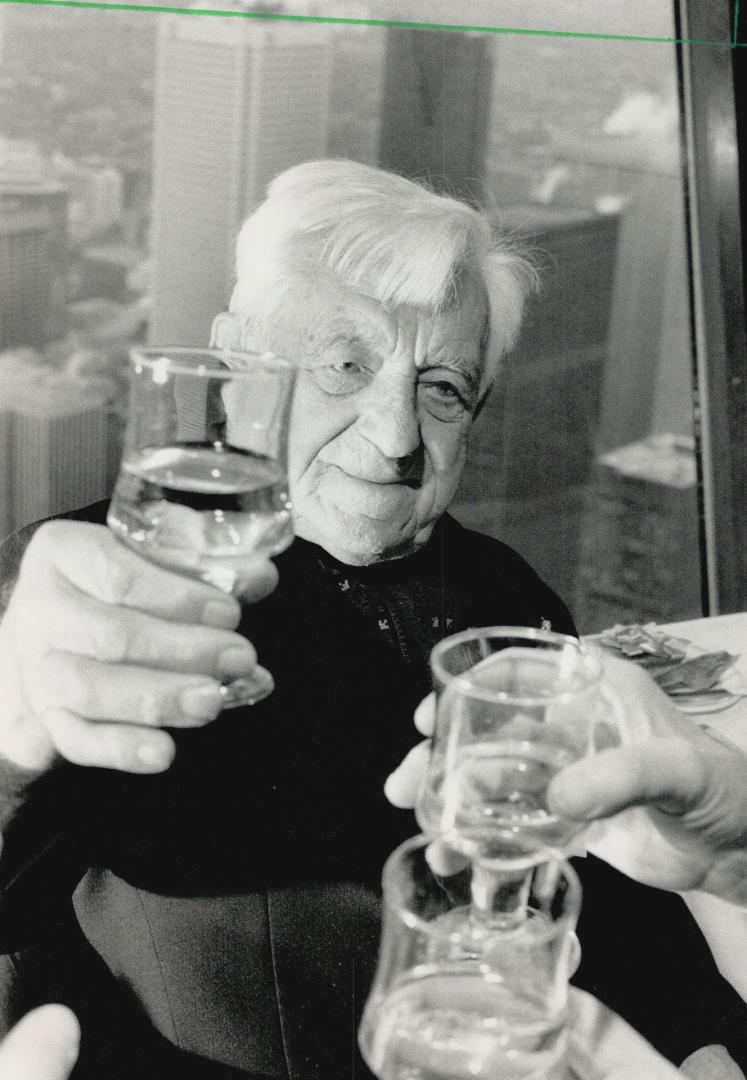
column 395, row 902
column 584, row 649
column 173, row 358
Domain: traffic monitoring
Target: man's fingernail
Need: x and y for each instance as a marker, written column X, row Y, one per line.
column 221, row 614
column 238, row 660
column 202, row 702
column 153, row 756
column 390, row 784
column 393, row 790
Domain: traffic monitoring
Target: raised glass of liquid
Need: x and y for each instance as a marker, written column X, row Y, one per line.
column 447, row 1005
column 202, row 486
column 514, row 706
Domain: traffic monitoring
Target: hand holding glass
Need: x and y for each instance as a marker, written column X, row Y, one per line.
column 202, row 487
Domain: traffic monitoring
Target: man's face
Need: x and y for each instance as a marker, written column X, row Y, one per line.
column 383, row 404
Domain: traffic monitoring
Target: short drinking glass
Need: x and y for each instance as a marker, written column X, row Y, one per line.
column 445, row 1006
column 514, row 705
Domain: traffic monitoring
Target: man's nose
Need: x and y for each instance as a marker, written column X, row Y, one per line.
column 387, row 418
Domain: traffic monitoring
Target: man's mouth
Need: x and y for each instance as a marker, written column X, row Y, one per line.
column 407, row 473
column 382, row 481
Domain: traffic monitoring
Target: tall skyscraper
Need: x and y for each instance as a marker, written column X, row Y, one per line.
column 33, row 262
column 434, row 116
column 236, row 102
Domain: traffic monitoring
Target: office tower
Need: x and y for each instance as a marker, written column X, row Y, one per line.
column 434, row 118
column 59, row 461
column 640, row 546
column 33, row 258
column 237, row 100
column 532, row 448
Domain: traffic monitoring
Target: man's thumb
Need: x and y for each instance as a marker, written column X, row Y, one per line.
column 664, row 772
column 42, row 1046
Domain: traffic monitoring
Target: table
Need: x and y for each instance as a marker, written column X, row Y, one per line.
column 727, row 632
column 727, row 939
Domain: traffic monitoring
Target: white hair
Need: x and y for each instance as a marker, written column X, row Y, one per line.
column 392, row 238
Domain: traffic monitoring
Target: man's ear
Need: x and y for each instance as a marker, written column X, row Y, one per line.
column 225, row 332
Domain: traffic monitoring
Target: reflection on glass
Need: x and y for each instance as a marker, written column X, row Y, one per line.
column 572, row 143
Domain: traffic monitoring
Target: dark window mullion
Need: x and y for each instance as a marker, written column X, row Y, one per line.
column 715, row 233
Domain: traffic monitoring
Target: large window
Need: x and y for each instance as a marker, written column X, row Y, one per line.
column 119, row 199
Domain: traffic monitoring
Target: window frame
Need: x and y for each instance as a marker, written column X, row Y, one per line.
column 714, row 180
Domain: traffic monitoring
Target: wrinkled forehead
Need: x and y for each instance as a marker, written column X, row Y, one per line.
column 462, row 324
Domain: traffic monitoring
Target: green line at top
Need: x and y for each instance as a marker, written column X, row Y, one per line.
column 341, row 21
column 734, row 40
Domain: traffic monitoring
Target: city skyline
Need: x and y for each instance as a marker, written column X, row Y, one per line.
column 163, row 165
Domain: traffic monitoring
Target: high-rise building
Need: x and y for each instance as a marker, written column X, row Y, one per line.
column 532, row 449
column 237, row 100
column 33, row 255
column 640, row 558
column 434, row 116
column 58, row 438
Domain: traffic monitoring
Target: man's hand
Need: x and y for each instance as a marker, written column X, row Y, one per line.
column 674, row 805
column 675, row 796
column 101, row 650
column 42, row 1046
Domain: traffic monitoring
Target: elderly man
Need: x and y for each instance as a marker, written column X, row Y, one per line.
column 223, row 874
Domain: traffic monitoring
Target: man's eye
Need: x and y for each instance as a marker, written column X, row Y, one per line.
column 442, row 399
column 343, row 377
column 446, row 390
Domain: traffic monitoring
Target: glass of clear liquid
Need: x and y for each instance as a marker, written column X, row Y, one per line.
column 514, row 705
column 446, row 1005
column 202, row 486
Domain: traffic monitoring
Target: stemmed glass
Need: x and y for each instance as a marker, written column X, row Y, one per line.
column 514, row 705
column 493, row 1009
column 478, row 941
column 202, row 486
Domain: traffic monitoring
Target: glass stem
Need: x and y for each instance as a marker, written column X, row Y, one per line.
column 499, row 897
